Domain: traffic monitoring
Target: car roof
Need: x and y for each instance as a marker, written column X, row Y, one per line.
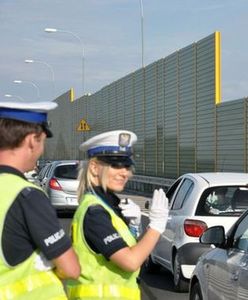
column 221, row 178
column 65, row 162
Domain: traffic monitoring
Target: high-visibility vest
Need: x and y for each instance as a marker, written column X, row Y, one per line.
column 23, row 281
column 100, row 278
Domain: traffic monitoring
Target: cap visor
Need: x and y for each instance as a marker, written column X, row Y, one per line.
column 47, row 130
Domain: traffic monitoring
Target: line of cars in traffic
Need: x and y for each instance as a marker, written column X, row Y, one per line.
column 205, row 243
column 203, row 207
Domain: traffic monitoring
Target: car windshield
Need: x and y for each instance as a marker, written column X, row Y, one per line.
column 223, row 201
column 66, row 171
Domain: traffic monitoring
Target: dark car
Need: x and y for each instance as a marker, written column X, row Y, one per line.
column 222, row 273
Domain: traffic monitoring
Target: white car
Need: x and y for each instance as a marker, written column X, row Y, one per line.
column 222, row 272
column 195, row 205
column 32, row 176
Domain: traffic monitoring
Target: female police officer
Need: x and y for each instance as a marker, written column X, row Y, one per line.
column 106, row 248
column 30, row 232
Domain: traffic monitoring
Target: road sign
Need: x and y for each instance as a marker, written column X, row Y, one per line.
column 83, row 126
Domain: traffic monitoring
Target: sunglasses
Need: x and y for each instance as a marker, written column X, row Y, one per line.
column 115, row 166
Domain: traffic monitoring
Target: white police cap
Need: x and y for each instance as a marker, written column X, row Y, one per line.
column 31, row 112
column 112, row 147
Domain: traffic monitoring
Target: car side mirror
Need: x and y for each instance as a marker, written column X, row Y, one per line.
column 147, row 204
column 213, row 235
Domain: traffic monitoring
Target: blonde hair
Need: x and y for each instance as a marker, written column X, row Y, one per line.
column 86, row 180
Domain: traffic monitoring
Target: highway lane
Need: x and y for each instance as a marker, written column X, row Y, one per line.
column 159, row 286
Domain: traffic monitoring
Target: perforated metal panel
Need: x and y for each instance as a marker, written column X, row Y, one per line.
column 171, row 106
column 231, row 136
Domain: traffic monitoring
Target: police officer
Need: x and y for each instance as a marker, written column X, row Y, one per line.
column 104, row 227
column 34, row 249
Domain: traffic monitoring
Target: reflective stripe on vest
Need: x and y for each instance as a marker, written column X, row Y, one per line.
column 28, row 284
column 104, row 291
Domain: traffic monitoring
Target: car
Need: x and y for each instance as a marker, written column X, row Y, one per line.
column 195, row 205
column 42, row 175
column 32, row 176
column 60, row 183
column 222, row 272
column 41, row 163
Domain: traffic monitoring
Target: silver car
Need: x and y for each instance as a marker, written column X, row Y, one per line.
column 61, row 183
column 42, row 175
column 222, row 273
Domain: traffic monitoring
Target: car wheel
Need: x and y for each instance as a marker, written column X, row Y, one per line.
column 150, row 266
column 195, row 293
column 181, row 284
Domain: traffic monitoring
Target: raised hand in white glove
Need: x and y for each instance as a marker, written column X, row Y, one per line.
column 158, row 213
column 131, row 211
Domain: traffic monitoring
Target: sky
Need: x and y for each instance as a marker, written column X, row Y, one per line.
column 106, row 35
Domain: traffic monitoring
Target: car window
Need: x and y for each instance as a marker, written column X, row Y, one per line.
column 223, row 201
column 183, row 193
column 240, row 199
column 44, row 171
column 171, row 190
column 40, row 173
column 241, row 235
column 48, row 171
column 66, row 171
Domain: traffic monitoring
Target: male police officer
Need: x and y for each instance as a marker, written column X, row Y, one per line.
column 34, row 248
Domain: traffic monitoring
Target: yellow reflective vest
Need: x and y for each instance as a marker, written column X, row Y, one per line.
column 100, row 278
column 23, row 281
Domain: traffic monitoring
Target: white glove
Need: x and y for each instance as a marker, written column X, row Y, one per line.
column 131, row 211
column 158, row 213
column 214, row 211
column 42, row 264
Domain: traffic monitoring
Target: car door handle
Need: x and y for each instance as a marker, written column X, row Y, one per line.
column 235, row 276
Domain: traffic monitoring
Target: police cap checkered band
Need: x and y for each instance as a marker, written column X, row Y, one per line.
column 109, row 150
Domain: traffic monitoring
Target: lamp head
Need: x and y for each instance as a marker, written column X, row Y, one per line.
column 29, row 61
column 50, row 30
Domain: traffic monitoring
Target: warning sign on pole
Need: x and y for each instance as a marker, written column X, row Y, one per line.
column 83, row 126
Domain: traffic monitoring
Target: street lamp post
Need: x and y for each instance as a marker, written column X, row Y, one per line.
column 13, row 96
column 142, row 32
column 54, row 30
column 46, row 64
column 29, row 82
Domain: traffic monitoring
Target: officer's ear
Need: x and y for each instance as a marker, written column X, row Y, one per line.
column 94, row 167
column 32, row 139
column 28, row 141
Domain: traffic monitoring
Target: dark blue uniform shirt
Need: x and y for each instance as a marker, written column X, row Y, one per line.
column 31, row 223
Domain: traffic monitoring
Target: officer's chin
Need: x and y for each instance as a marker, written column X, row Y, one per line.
column 117, row 189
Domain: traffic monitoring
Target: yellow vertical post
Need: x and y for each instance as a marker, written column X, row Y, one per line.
column 71, row 94
column 217, row 68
